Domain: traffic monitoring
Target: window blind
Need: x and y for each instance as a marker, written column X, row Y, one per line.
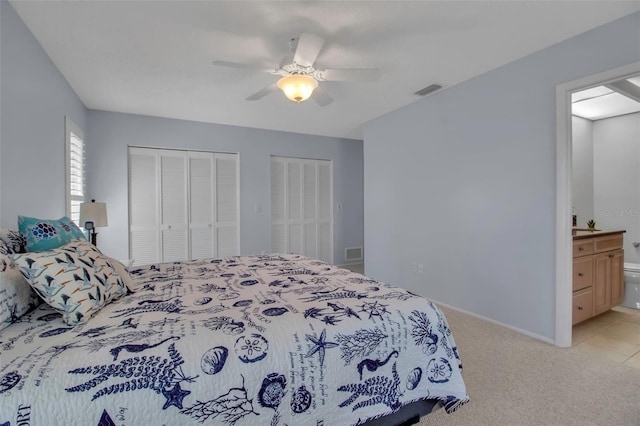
column 75, row 171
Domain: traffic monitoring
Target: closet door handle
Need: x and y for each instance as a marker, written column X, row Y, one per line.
column 580, row 274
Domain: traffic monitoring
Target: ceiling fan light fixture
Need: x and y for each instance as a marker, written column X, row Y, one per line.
column 297, row 87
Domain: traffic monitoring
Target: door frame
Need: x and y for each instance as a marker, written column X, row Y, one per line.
column 564, row 244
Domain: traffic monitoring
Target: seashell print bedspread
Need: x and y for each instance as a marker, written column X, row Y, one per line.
column 253, row 340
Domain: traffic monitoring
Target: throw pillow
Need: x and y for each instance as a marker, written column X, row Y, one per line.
column 76, row 279
column 44, row 234
column 16, row 296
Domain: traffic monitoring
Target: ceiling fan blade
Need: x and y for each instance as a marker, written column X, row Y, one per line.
column 262, row 93
column 352, row 74
column 240, row 65
column 309, row 46
column 322, row 97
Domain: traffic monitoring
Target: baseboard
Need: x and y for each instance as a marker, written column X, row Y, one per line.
column 510, row 327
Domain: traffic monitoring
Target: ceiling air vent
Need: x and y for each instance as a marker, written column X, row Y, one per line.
column 428, row 90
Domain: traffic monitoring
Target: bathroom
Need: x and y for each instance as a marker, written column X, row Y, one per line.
column 606, row 168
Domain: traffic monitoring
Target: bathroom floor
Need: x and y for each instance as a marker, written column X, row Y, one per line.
column 614, row 334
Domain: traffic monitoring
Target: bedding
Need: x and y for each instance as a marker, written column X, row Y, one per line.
column 254, row 340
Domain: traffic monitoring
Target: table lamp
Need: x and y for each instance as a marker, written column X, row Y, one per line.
column 93, row 215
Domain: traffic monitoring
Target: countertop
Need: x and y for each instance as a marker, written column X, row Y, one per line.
column 581, row 233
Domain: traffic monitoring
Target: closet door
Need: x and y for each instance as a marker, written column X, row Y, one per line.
column 227, row 237
column 310, row 209
column 201, row 204
column 183, row 205
column 294, row 207
column 278, row 206
column 173, row 206
column 324, row 211
column 301, row 199
column 144, row 205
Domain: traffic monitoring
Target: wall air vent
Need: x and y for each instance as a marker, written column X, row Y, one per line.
column 428, row 90
column 353, row 253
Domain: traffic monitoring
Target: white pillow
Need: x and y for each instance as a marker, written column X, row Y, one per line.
column 75, row 279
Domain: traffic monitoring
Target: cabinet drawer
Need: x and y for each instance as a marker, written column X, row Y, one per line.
column 582, row 305
column 610, row 242
column 582, row 273
column 583, row 247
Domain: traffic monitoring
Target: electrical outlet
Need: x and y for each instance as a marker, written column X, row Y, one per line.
column 414, row 267
column 420, row 268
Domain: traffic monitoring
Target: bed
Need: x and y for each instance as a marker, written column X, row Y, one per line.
column 251, row 340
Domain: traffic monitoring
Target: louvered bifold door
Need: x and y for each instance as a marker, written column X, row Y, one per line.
column 144, row 206
column 309, row 207
column 278, row 206
column 294, row 207
column 325, row 217
column 173, row 206
column 227, row 238
column 301, row 215
column 201, row 205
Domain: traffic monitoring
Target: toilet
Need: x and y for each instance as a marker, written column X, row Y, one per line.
column 631, row 285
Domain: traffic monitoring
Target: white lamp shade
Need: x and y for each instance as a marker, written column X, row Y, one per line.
column 93, row 212
column 297, row 88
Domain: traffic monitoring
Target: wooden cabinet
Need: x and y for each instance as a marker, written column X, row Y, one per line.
column 598, row 273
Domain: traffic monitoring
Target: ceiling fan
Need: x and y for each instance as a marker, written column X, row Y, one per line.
column 299, row 79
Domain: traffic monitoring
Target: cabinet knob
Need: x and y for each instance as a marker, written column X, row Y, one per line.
column 580, row 248
column 579, row 308
column 169, row 227
column 611, row 255
column 580, row 274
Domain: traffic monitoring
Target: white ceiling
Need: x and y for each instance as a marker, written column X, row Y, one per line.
column 607, row 101
column 154, row 57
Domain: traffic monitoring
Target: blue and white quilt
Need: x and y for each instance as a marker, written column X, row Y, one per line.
column 254, row 340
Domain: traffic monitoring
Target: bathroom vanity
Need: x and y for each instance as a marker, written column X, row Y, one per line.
column 598, row 272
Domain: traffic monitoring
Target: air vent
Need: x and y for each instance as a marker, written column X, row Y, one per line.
column 429, row 89
column 353, row 253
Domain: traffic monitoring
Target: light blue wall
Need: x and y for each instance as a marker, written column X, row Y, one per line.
column 464, row 182
column 111, row 133
column 34, row 99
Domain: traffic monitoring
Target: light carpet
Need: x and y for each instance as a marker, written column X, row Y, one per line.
column 514, row 380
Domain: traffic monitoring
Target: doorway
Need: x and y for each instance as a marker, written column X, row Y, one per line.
column 564, row 196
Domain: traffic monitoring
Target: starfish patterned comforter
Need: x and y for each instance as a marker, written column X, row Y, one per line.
column 254, row 340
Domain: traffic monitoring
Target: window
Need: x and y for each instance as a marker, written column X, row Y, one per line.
column 74, row 170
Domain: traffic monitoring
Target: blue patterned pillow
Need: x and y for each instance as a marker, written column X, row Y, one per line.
column 76, row 279
column 44, row 234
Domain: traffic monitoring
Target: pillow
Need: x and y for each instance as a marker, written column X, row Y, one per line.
column 44, row 235
column 123, row 272
column 76, row 279
column 12, row 241
column 16, row 296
